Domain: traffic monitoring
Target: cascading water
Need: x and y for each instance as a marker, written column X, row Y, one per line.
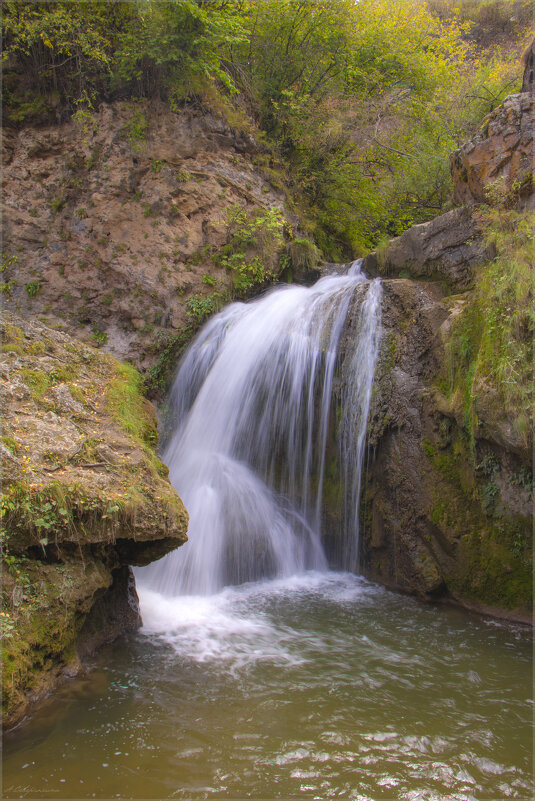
column 253, row 399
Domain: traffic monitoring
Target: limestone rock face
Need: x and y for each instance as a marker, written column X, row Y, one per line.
column 501, row 153
column 110, row 224
column 84, row 497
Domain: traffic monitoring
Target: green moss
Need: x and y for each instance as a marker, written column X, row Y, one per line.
column 59, row 375
column 12, row 348
column 136, row 130
column 428, row 447
column 333, row 488
column 491, row 340
column 492, row 547
column 39, row 382
column 496, row 565
column 303, row 254
column 10, row 444
column 77, row 393
column 170, row 350
column 41, row 632
column 13, row 333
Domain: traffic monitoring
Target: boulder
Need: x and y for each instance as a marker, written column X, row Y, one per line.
column 445, row 249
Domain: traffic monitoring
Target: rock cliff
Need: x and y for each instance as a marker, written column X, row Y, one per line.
column 118, row 225
column 445, row 514
column 84, row 497
column 447, row 500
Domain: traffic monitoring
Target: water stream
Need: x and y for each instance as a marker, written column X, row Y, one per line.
column 252, row 403
column 259, row 673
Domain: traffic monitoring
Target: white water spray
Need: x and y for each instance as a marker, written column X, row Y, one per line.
column 253, row 401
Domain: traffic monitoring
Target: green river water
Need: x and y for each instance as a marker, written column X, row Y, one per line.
column 320, row 686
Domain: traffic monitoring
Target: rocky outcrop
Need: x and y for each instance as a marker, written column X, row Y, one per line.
column 500, row 156
column 115, row 222
column 447, row 496
column 446, row 249
column 495, row 166
column 84, row 498
column 442, row 517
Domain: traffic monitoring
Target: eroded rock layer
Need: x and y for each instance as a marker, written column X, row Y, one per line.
column 114, row 222
column 85, row 497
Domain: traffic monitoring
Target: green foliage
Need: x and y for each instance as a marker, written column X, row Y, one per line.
column 174, row 47
column 61, row 47
column 35, row 514
column 492, row 339
column 81, row 51
column 6, row 287
column 488, row 23
column 7, row 261
column 100, row 337
column 40, row 381
column 322, row 72
column 254, row 244
column 136, row 130
column 363, row 101
column 199, row 307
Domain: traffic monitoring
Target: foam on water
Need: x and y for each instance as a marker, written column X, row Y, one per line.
column 210, row 629
column 235, row 628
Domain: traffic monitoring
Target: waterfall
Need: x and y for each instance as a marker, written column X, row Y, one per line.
column 253, row 401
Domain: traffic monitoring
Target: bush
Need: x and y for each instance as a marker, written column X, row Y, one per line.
column 255, row 240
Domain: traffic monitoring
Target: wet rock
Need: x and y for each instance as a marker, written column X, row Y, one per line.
column 114, row 612
column 83, row 500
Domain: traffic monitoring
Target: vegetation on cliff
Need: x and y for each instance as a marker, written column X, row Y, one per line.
column 492, row 338
column 363, row 101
